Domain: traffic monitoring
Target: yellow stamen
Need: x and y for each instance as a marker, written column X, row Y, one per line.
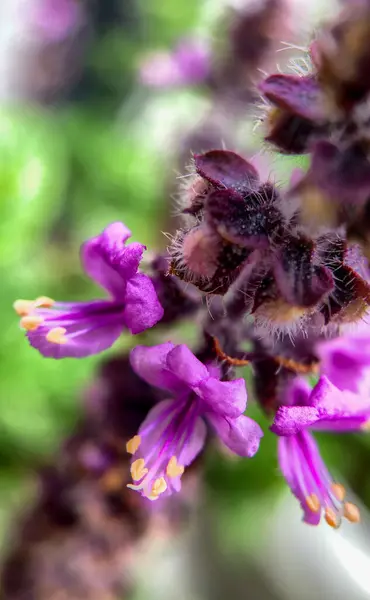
column 366, row 426
column 339, row 491
column 56, row 335
column 313, row 503
column 331, row 518
column 159, row 486
column 133, row 444
column 23, row 307
column 31, row 322
column 138, row 469
column 173, row 469
column 44, row 302
column 351, row 512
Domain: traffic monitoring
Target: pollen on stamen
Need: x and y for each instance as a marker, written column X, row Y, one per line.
column 339, row 491
column 23, row 307
column 133, row 444
column 173, row 468
column 159, row 486
column 351, row 513
column 138, row 469
column 313, row 503
column 331, row 518
column 31, row 322
column 56, row 335
column 44, row 302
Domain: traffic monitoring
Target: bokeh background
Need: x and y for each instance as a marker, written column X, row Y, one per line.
column 86, row 139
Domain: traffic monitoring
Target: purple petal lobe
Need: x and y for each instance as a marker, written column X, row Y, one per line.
column 184, row 365
column 241, row 435
column 300, row 95
column 224, row 397
column 340, row 410
column 226, row 169
column 290, row 420
column 150, row 363
column 106, row 259
column 142, row 308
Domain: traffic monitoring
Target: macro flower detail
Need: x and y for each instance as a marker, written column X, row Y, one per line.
column 326, row 408
column 78, row 329
column 174, row 431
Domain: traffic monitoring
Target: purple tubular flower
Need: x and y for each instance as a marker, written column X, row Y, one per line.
column 174, row 431
column 325, row 408
column 78, row 329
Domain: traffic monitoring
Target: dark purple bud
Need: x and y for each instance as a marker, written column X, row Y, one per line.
column 291, row 134
column 344, row 174
column 344, row 57
column 226, row 169
column 300, row 281
column 249, row 222
column 300, row 96
column 201, row 257
column 350, row 299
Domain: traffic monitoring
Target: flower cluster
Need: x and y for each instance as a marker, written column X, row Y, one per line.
column 273, row 261
column 324, row 111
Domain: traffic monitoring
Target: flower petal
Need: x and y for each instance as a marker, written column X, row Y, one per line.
column 339, row 410
column 106, row 259
column 150, row 363
column 227, row 398
column 344, row 359
column 142, row 307
column 241, row 435
column 79, row 341
column 226, row 169
column 290, row 420
column 294, row 474
column 186, row 367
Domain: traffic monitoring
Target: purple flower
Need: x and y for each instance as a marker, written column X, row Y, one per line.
column 187, row 64
column 78, row 329
column 324, row 407
column 174, row 431
column 56, row 19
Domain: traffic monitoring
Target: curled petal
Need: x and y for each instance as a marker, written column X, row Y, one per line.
column 226, row 169
column 339, row 410
column 109, row 262
column 187, row 368
column 242, row 435
column 290, row 420
column 150, row 363
column 227, row 398
column 142, row 307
